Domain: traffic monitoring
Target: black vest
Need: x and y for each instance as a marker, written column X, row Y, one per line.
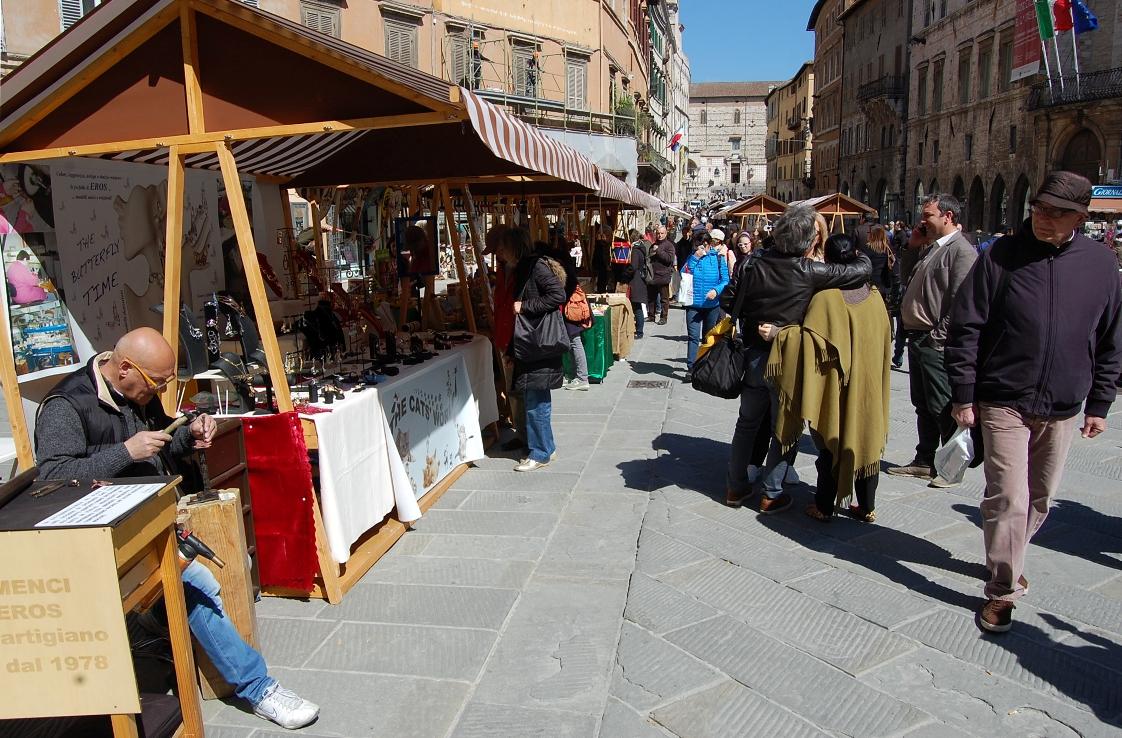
column 103, row 424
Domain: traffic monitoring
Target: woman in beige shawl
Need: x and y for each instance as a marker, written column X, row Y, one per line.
column 833, row 373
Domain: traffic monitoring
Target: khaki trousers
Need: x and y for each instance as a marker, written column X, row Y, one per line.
column 1024, row 462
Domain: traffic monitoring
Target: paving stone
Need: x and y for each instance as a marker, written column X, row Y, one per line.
column 451, row 499
column 417, row 604
column 410, row 544
column 505, row 548
column 782, row 674
column 752, row 553
column 552, row 502
column 362, row 705
column 658, row 553
column 731, row 709
column 557, row 648
column 1111, row 589
column 967, row 698
column 606, row 512
column 1056, row 669
column 620, row 721
column 660, row 608
column 461, row 572
column 482, row 720
column 473, row 522
column 284, row 607
column 289, row 642
column 649, row 671
column 746, row 520
column 579, row 551
column 438, row 653
column 218, row 731
column 833, row 635
column 512, row 481
column 879, row 603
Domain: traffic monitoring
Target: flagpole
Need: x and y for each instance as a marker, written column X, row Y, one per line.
column 1059, row 65
column 1075, row 55
column 1047, row 70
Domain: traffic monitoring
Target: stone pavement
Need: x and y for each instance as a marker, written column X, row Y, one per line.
column 613, row 595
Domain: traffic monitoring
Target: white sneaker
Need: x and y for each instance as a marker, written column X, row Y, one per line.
column 531, row 465
column 575, row 385
column 285, row 708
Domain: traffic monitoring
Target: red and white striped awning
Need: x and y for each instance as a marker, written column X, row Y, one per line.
column 614, row 188
column 520, row 143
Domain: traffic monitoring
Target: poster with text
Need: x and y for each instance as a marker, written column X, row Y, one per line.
column 1026, row 42
column 434, row 421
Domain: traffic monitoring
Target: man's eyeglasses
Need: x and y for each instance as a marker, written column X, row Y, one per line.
column 152, row 383
column 1049, row 213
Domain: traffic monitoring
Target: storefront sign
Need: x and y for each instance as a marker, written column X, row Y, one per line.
column 434, row 421
column 1026, row 42
column 63, row 646
column 1107, row 191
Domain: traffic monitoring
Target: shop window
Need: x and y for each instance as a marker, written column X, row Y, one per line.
column 401, row 41
column 576, row 82
column 319, row 17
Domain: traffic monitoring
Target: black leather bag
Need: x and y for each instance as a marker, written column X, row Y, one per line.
column 720, row 371
column 543, row 337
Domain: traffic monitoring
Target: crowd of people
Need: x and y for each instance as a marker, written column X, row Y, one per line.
column 1010, row 337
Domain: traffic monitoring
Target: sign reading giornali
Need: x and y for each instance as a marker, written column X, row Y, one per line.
column 1111, row 192
column 63, row 645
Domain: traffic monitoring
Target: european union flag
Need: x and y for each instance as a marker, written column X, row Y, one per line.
column 1084, row 19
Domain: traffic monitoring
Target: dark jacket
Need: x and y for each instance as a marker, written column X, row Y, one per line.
column 540, row 291
column 663, row 257
column 1037, row 328
column 82, row 426
column 638, row 263
column 779, row 288
column 884, row 278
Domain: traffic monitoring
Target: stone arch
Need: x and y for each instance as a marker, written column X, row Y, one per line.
column 958, row 189
column 844, row 188
column 881, row 200
column 862, row 193
column 998, row 204
column 1082, row 154
column 934, row 188
column 976, row 206
column 919, row 195
column 1017, row 210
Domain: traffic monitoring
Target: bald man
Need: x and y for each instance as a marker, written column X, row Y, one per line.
column 105, row 421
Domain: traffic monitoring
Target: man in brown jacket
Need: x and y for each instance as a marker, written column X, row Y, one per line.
column 925, row 314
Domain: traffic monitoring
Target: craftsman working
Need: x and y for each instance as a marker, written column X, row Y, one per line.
column 106, row 421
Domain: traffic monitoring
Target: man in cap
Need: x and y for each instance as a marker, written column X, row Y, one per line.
column 1035, row 333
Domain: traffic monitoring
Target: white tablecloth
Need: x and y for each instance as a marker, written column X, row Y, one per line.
column 366, row 469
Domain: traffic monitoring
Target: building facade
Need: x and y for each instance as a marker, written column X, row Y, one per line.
column 790, row 143
column 874, row 89
column 826, row 121
column 728, row 134
column 577, row 66
column 655, row 169
column 679, row 106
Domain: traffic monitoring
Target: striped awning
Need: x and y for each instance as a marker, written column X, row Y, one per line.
column 520, row 143
column 614, row 188
column 288, row 156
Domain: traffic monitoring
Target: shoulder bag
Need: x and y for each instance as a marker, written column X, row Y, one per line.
column 720, row 370
column 541, row 337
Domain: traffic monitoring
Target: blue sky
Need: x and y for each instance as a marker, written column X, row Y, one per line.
column 746, row 40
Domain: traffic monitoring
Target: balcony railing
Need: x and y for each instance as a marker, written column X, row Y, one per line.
column 1087, row 87
column 649, row 157
column 890, row 86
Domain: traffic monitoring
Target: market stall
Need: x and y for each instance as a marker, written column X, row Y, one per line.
column 134, row 112
column 756, row 210
column 836, row 208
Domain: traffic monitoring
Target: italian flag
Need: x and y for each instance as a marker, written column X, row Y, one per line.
column 1053, row 16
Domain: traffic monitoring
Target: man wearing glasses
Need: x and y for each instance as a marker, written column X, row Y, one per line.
column 105, row 421
column 1035, row 336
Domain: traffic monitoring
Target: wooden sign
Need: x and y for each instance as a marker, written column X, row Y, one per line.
column 63, row 645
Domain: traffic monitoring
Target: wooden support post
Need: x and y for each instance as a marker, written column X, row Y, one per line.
column 457, row 255
column 12, row 398
column 173, row 267
column 477, row 248
column 290, row 240
column 189, row 39
column 178, row 634
column 258, row 298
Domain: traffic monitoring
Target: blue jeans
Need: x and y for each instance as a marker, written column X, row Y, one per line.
column 640, row 321
column 756, row 398
column 238, row 663
column 539, row 430
column 699, row 321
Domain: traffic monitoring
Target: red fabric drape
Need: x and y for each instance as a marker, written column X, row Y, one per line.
column 280, row 482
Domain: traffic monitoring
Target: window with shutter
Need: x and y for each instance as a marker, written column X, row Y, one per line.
column 524, row 69
column 576, row 73
column 458, row 59
column 401, row 41
column 322, row 18
column 72, row 11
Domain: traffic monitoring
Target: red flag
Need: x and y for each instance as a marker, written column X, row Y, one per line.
column 1061, row 11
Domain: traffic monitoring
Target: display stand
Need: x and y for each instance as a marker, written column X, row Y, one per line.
column 142, row 555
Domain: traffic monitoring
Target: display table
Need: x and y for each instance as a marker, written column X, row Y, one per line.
column 81, row 580
column 597, row 340
column 391, row 447
column 623, row 321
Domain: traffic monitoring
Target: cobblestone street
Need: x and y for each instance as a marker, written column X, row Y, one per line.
column 613, row 595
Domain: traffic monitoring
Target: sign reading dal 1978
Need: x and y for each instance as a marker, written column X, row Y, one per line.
column 63, row 645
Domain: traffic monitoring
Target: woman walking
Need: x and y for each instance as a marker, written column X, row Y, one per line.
column 880, row 253
column 833, row 373
column 637, row 286
column 539, row 288
column 710, row 273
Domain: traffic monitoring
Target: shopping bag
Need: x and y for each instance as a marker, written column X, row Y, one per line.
column 720, row 372
column 725, row 327
column 954, row 457
column 685, row 290
column 539, row 338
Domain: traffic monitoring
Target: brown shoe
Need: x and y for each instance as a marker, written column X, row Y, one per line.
column 737, row 499
column 859, row 513
column 914, row 468
column 1023, row 582
column 812, row 511
column 996, row 616
column 769, row 506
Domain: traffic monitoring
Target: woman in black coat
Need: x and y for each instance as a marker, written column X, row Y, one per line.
column 538, row 289
column 637, row 286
